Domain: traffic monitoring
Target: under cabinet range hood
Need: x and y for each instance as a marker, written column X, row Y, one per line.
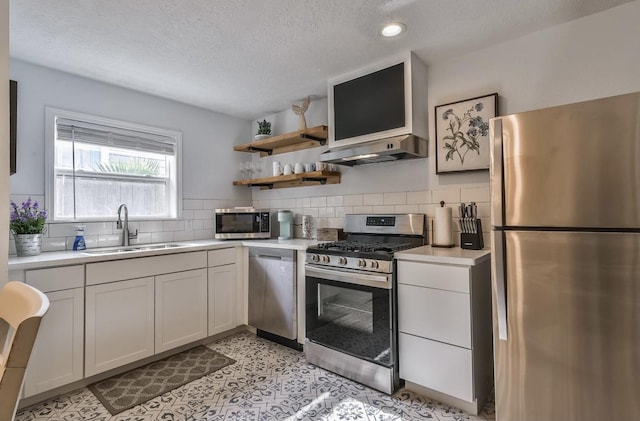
column 384, row 150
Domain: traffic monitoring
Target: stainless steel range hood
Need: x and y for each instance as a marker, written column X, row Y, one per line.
column 384, row 150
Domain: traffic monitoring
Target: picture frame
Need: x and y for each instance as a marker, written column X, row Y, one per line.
column 462, row 134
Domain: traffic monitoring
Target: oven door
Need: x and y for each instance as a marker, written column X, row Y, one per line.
column 351, row 312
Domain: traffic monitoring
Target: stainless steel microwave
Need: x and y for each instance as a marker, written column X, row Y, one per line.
column 239, row 223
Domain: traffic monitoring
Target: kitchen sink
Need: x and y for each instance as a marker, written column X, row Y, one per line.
column 128, row 249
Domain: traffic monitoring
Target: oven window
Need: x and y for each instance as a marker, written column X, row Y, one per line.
column 350, row 318
column 233, row 223
column 346, row 308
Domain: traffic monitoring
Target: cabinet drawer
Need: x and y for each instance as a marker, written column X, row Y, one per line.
column 438, row 366
column 56, row 279
column 444, row 316
column 221, row 257
column 430, row 275
column 118, row 270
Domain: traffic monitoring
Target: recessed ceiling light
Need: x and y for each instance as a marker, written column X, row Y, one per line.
column 393, row 29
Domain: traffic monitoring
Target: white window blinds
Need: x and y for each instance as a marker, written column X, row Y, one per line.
column 102, row 135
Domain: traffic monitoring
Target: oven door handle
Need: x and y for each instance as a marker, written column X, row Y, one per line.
column 351, row 277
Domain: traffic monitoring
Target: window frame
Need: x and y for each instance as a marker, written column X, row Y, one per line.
column 51, row 114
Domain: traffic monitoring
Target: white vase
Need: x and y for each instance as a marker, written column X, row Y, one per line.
column 28, row 244
column 261, row 136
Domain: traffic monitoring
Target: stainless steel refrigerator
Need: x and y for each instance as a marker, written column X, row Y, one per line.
column 565, row 196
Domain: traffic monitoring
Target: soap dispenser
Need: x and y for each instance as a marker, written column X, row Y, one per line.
column 78, row 243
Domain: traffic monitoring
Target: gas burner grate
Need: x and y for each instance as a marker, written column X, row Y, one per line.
column 359, row 246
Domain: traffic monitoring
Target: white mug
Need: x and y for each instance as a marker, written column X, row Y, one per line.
column 277, row 169
column 320, row 166
column 288, row 169
column 309, row 167
column 298, row 168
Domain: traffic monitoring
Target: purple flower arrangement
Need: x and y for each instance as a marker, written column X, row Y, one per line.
column 27, row 218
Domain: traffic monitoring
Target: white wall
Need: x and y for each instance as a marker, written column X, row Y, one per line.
column 4, row 138
column 209, row 161
column 588, row 58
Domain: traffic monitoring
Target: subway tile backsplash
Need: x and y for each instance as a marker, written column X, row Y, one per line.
column 197, row 222
column 329, row 211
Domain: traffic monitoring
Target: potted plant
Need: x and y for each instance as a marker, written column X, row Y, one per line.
column 27, row 224
column 264, row 130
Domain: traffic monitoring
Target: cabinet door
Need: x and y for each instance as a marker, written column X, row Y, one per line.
column 222, row 298
column 438, row 366
column 181, row 308
column 444, row 316
column 119, row 324
column 57, row 357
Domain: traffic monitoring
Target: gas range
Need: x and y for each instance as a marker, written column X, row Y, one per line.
column 371, row 256
column 371, row 242
column 350, row 298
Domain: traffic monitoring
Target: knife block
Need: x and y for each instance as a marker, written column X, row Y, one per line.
column 473, row 240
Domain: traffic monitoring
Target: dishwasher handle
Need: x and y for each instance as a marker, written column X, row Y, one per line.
column 265, row 256
column 272, row 253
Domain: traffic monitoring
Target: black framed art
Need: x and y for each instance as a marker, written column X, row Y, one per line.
column 462, row 134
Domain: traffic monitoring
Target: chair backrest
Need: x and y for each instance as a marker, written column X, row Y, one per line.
column 21, row 309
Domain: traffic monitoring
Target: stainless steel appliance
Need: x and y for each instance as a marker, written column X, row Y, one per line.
column 242, row 223
column 565, row 185
column 350, row 298
column 272, row 294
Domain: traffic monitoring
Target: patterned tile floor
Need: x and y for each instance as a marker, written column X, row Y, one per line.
column 268, row 382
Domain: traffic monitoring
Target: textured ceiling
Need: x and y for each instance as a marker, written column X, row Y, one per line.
column 249, row 58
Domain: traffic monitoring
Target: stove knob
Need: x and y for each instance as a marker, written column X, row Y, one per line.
column 325, row 259
column 315, row 258
column 342, row 260
column 362, row 263
column 374, row 264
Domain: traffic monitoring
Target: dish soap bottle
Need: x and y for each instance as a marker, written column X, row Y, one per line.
column 78, row 243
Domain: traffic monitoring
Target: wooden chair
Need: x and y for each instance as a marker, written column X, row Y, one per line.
column 21, row 309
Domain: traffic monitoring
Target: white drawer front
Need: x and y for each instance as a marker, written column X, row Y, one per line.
column 56, row 279
column 444, row 316
column 118, row 270
column 438, row 366
column 221, row 257
column 430, row 275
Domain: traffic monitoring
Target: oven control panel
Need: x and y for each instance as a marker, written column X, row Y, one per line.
column 372, row 265
column 381, row 221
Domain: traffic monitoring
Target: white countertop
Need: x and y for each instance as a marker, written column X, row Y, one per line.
column 454, row 255
column 62, row 258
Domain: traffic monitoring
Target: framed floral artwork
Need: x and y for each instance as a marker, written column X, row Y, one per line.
column 462, row 134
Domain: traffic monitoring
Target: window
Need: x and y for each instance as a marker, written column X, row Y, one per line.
column 94, row 164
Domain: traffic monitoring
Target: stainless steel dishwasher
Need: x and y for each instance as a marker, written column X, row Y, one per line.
column 272, row 294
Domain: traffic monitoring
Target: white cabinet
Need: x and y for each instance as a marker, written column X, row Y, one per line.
column 181, row 308
column 444, row 323
column 119, row 324
column 222, row 290
column 121, row 310
column 57, row 356
column 222, row 298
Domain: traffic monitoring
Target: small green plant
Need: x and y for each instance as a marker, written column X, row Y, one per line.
column 264, row 127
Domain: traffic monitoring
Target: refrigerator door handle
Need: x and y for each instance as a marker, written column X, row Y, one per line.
column 500, row 282
column 496, row 177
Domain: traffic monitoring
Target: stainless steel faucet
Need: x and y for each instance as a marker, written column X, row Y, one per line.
column 126, row 236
